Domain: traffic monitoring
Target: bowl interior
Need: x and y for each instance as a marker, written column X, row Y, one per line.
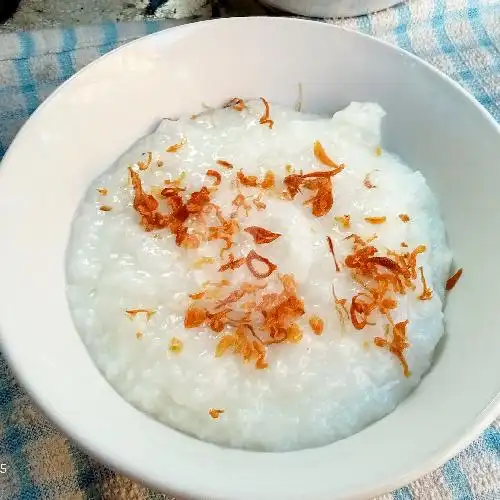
column 93, row 118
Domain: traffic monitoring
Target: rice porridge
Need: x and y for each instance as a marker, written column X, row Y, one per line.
column 261, row 278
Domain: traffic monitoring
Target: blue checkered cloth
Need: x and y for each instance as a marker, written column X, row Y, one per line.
column 461, row 37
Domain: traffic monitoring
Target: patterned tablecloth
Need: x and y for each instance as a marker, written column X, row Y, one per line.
column 461, row 37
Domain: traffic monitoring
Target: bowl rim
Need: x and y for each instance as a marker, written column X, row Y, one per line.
column 436, row 459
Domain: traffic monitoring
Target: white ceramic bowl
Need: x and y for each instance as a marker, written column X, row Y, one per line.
column 94, row 117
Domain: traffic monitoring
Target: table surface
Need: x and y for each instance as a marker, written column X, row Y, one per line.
column 40, row 14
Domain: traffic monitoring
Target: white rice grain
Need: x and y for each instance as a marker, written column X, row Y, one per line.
column 317, row 391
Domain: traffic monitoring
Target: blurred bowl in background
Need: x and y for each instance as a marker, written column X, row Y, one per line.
column 330, row 8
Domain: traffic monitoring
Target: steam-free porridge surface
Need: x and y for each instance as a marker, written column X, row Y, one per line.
column 307, row 388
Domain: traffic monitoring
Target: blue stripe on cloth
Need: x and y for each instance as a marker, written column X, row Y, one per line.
column 475, row 22
column 462, row 71
column 485, row 42
column 456, row 480
column 152, row 27
column 401, row 31
column 86, row 471
column 364, row 24
column 402, row 494
column 22, row 65
column 65, row 59
column 15, row 114
column 110, row 38
column 491, row 438
column 14, row 440
column 451, row 16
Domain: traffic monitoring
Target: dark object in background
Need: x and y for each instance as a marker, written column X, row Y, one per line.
column 7, row 9
column 152, row 6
